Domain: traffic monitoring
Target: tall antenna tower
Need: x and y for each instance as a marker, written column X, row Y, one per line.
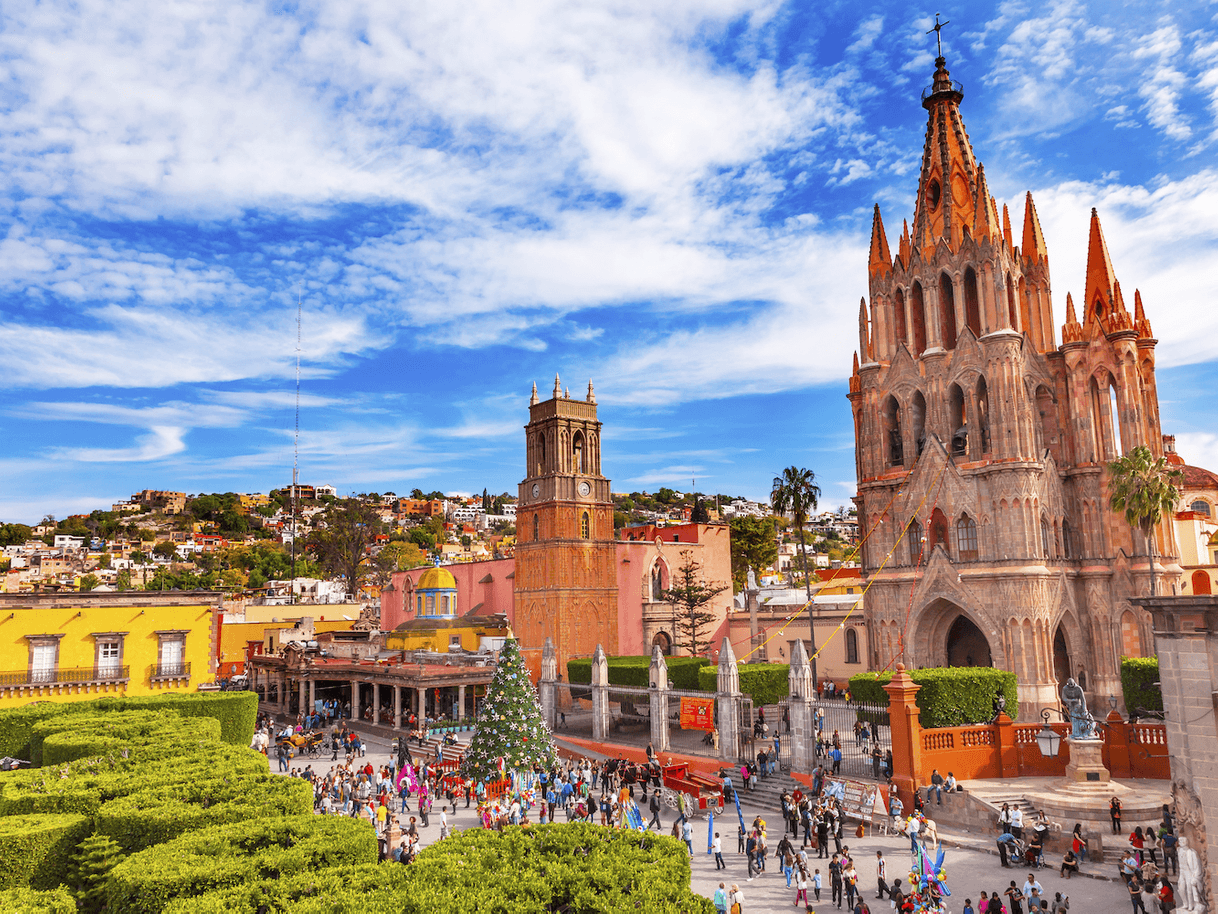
column 296, row 445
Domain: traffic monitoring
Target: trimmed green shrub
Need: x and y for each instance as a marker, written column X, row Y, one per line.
column 31, row 901
column 569, row 867
column 767, row 683
column 76, row 736
column 237, row 713
column 230, row 855
column 950, row 696
column 90, row 869
column 36, row 850
column 636, row 671
column 82, row 786
column 1140, row 684
column 156, row 814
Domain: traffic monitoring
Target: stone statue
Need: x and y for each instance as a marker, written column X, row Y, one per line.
column 1189, row 895
column 1082, row 724
column 752, row 579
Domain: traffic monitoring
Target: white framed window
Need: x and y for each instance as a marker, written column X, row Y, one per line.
column 108, row 654
column 171, row 655
column 44, row 660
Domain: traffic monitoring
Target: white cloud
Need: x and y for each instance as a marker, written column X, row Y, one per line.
column 160, row 442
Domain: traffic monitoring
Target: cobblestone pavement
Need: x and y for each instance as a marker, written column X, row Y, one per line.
column 970, row 870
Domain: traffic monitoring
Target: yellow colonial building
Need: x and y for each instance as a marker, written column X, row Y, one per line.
column 66, row 647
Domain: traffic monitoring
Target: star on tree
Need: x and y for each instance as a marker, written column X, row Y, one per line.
column 510, row 726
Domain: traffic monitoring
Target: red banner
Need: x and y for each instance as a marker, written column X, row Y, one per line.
column 697, row 714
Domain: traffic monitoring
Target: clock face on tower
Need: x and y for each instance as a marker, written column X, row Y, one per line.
column 584, row 489
column 536, row 490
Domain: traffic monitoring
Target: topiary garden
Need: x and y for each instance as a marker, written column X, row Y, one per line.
column 147, row 806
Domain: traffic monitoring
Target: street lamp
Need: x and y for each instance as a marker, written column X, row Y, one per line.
column 1048, row 739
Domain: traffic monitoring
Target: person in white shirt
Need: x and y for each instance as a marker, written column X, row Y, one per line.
column 1017, row 823
column 950, row 784
column 1030, row 885
column 443, row 823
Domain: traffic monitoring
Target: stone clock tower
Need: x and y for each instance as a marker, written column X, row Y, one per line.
column 566, row 575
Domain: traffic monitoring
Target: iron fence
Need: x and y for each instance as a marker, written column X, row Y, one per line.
column 61, row 676
column 170, row 671
column 857, row 730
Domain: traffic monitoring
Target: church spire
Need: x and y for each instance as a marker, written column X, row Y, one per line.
column 533, row 399
column 557, row 387
column 1033, row 246
column 881, row 260
column 1006, row 228
column 1101, row 279
column 946, row 203
column 1072, row 330
column 1141, row 324
column 985, row 221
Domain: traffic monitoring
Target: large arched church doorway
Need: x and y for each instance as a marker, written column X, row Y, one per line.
column 664, row 642
column 966, row 645
column 1062, row 669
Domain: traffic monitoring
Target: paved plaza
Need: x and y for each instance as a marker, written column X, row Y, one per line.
column 970, row 870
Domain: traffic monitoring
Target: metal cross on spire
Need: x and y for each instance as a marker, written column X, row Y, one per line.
column 938, row 30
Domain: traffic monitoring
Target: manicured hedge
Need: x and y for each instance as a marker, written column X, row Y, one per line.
column 36, row 850
column 237, row 854
column 1140, row 684
column 84, row 785
column 31, row 901
column 68, row 737
column 950, row 696
column 237, row 713
column 636, row 671
column 767, row 683
column 164, row 812
column 572, row 867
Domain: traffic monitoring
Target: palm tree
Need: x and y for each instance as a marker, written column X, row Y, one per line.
column 1143, row 488
column 795, row 492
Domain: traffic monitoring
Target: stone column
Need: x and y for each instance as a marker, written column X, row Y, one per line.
column 600, row 695
column 906, row 734
column 312, row 694
column 283, row 693
column 355, row 700
column 658, row 675
column 547, row 685
column 423, row 702
column 727, row 704
column 397, row 707
column 300, row 695
column 801, row 707
column 460, row 702
column 376, row 702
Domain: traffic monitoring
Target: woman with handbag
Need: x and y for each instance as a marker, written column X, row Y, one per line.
column 735, row 900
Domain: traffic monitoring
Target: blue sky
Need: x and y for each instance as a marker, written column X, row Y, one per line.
column 671, row 199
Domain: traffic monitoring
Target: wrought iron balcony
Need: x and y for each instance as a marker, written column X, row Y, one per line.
column 170, row 671
column 64, row 676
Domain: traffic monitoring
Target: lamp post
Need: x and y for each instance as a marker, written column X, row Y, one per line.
column 1048, row 739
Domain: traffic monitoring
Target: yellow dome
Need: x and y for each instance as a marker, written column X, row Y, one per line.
column 436, row 579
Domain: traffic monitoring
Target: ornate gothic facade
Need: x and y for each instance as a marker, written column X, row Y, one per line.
column 565, row 586
column 981, row 442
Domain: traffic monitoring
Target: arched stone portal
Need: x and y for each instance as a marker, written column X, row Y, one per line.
column 664, row 642
column 966, row 645
column 1062, row 668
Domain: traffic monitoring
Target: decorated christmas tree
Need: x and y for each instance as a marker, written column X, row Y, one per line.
column 511, row 734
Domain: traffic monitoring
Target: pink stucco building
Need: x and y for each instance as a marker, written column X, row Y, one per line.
column 647, row 556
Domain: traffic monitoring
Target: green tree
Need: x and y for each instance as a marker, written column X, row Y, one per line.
column 341, row 540
column 88, row 582
column 795, row 491
column 165, row 549
column 123, row 580
column 14, row 534
column 699, row 515
column 90, row 868
column 688, row 596
column 421, row 538
column 510, row 725
column 753, row 546
column 104, row 560
column 1143, row 488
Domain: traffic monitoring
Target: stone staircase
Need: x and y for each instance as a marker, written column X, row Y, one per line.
column 768, row 794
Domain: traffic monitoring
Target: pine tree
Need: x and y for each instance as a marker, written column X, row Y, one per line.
column 688, row 596
column 95, row 857
column 510, row 725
